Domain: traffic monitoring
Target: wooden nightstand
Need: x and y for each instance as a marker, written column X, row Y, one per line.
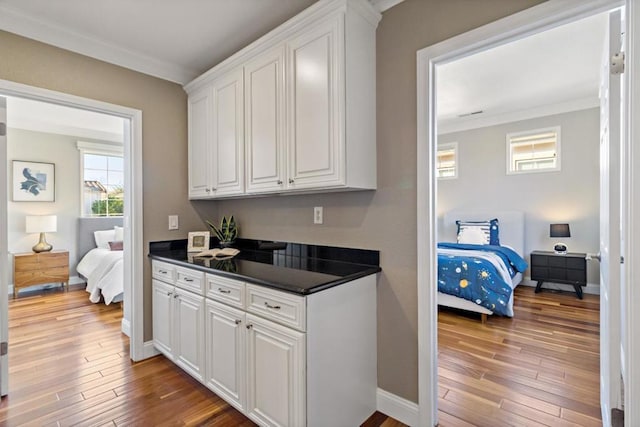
column 569, row 268
column 36, row 269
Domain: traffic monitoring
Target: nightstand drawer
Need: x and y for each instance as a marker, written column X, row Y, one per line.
column 35, row 277
column 576, row 263
column 41, row 261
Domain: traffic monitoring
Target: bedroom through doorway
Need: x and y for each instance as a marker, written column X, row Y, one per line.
column 77, row 129
column 518, row 140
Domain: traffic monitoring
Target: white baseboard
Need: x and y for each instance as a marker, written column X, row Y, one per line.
column 148, row 350
column 397, row 407
column 591, row 288
column 126, row 327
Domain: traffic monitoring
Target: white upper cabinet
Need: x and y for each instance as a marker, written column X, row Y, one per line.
column 264, row 122
column 307, row 120
column 228, row 134
column 199, row 143
column 316, row 101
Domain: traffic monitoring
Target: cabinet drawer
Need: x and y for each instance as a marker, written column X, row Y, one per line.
column 577, row 263
column 281, row 307
column 538, row 260
column 191, row 280
column 164, row 271
column 36, row 277
column 557, row 261
column 226, row 290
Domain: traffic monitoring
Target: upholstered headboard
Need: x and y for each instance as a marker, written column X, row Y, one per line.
column 511, row 225
column 86, row 227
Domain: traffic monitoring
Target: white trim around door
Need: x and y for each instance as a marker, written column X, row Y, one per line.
column 538, row 18
column 134, row 260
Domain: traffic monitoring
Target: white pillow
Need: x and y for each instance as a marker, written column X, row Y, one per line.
column 472, row 236
column 103, row 237
column 119, row 234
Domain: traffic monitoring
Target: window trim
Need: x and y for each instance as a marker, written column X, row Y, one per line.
column 101, row 149
column 511, row 135
column 456, row 165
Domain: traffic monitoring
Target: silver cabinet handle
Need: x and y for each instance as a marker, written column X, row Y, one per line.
column 238, row 322
column 291, row 180
column 169, row 294
column 213, row 189
column 186, row 279
column 176, row 296
column 279, row 182
column 207, row 190
column 249, row 326
column 224, row 291
column 273, row 307
column 162, row 271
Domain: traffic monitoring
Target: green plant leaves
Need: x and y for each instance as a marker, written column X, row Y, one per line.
column 228, row 230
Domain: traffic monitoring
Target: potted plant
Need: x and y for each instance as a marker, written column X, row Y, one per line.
column 227, row 232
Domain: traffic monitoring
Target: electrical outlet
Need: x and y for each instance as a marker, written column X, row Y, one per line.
column 173, row 222
column 317, row 215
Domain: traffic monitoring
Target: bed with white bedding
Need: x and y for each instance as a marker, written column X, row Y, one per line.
column 102, row 265
column 473, row 277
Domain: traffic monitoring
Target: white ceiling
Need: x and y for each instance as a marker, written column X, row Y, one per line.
column 548, row 73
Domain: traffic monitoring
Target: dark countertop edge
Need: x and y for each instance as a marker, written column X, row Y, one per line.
column 286, row 288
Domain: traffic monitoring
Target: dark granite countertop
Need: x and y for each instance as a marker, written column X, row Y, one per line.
column 297, row 268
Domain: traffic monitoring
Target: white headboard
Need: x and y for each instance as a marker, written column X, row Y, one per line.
column 511, row 225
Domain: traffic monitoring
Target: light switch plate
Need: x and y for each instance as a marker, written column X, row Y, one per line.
column 173, row 222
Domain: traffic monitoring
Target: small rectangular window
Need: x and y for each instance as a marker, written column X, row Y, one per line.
column 447, row 161
column 534, row 151
column 102, row 180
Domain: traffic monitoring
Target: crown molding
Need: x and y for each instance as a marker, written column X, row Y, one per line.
column 382, row 5
column 475, row 122
column 19, row 23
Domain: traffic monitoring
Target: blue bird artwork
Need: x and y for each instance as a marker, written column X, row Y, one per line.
column 33, row 184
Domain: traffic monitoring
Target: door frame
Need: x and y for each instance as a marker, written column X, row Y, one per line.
column 132, row 221
column 547, row 15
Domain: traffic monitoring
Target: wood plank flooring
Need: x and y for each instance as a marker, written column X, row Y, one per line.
column 69, row 365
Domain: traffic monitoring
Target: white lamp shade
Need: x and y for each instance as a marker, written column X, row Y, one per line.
column 41, row 223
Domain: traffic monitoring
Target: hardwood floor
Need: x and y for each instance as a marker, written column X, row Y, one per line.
column 540, row 368
column 69, row 365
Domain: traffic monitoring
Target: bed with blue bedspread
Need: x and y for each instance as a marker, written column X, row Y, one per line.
column 481, row 270
column 482, row 274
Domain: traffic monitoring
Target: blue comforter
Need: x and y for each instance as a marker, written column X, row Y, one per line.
column 475, row 278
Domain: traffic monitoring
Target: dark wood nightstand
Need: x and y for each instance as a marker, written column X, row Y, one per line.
column 569, row 268
column 38, row 268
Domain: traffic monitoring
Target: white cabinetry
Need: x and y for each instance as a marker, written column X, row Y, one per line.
column 264, row 122
column 309, row 106
column 200, row 150
column 178, row 320
column 282, row 359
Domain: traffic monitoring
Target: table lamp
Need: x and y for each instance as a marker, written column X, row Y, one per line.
column 559, row 230
column 41, row 224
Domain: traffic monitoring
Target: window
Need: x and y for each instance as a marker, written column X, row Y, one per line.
column 102, row 168
column 447, row 161
column 534, row 151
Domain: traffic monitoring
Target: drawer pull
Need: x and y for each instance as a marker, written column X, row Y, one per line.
column 249, row 326
column 169, row 294
column 162, row 271
column 224, row 291
column 186, row 279
column 272, row 307
column 176, row 296
column 238, row 322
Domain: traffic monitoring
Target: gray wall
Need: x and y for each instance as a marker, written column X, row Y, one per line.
column 570, row 195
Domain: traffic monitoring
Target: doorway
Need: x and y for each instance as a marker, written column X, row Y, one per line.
column 132, row 219
column 511, row 28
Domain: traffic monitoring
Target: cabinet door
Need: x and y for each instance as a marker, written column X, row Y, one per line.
column 162, row 304
column 199, row 143
column 225, row 349
column 264, row 122
column 228, row 135
column 276, row 374
column 316, row 107
column 189, row 332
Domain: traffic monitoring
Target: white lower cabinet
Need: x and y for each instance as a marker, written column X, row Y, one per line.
column 226, row 353
column 281, row 359
column 178, row 326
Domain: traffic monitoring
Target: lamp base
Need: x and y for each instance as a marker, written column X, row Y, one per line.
column 42, row 245
column 560, row 248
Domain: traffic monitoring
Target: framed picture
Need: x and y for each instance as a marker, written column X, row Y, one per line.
column 198, row 241
column 34, row 181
